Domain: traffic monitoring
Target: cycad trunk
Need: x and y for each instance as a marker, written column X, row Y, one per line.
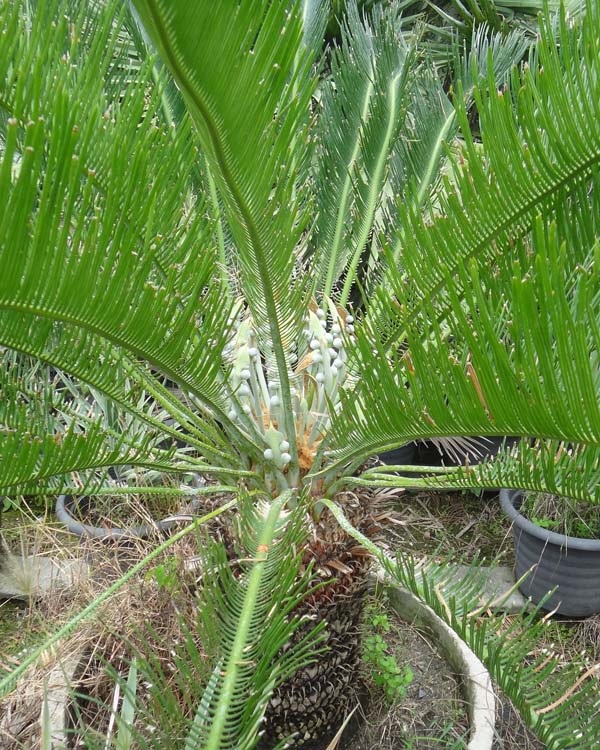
column 313, row 703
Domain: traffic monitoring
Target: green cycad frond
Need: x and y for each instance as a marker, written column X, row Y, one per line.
column 525, row 369
column 247, row 84
column 525, row 170
column 504, row 50
column 432, row 123
column 119, row 378
column 41, row 438
column 315, row 15
column 545, row 466
column 444, row 26
column 248, row 612
column 482, row 8
column 497, row 334
column 51, row 426
column 379, row 131
column 461, row 17
column 247, row 594
column 362, row 110
column 124, row 263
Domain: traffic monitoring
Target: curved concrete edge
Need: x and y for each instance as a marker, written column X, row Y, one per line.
column 477, row 684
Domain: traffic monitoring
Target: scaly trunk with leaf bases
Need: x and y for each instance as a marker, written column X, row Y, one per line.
column 218, row 252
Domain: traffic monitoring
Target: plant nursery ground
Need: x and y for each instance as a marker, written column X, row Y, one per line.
column 458, row 525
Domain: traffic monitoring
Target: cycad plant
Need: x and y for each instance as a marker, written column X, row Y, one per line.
column 276, row 261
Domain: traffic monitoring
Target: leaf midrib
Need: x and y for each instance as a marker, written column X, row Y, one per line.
column 253, row 234
column 573, row 178
column 127, row 345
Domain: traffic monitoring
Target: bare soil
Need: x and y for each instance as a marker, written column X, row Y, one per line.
column 430, row 716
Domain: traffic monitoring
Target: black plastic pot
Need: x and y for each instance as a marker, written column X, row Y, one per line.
column 402, row 456
column 483, row 447
column 71, row 511
column 427, row 454
column 567, row 563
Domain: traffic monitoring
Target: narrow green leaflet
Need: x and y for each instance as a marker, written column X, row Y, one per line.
column 253, row 614
column 126, row 260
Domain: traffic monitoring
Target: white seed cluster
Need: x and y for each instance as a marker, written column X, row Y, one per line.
column 316, row 371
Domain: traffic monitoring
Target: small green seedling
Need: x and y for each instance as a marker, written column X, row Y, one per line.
column 385, row 671
column 165, row 574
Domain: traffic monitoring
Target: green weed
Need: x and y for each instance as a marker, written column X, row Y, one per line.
column 384, row 670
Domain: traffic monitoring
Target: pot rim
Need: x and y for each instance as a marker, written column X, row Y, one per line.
column 64, row 514
column 508, row 498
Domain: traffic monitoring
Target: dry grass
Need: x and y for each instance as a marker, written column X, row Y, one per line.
column 587, row 637
column 562, row 515
column 458, row 525
column 143, row 617
column 144, row 620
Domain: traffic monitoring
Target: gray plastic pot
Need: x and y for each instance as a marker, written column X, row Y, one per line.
column 567, row 563
column 70, row 509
